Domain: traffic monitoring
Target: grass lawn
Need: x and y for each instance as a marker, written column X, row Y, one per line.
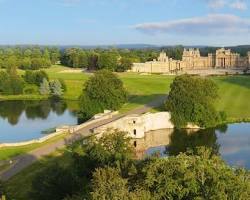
column 234, row 94
column 19, row 186
column 234, row 90
column 10, row 152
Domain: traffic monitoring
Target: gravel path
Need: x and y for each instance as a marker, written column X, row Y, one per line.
column 25, row 160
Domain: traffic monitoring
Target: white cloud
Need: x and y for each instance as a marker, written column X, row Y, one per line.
column 239, row 5
column 213, row 24
column 235, row 4
column 216, row 3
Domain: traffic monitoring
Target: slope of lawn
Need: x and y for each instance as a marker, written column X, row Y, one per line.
column 234, row 94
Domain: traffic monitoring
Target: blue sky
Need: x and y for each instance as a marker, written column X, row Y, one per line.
column 97, row 22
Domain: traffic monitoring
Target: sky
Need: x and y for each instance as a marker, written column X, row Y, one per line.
column 111, row 22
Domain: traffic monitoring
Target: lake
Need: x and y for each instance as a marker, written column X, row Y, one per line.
column 232, row 142
column 26, row 120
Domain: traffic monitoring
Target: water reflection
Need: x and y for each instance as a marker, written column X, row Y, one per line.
column 232, row 142
column 24, row 120
column 12, row 110
column 182, row 140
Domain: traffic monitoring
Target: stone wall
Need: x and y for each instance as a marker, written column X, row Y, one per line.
column 63, row 129
column 138, row 125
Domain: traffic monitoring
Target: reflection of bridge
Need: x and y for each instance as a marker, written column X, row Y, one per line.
column 152, row 139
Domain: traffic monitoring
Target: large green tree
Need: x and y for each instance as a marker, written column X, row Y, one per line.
column 200, row 176
column 191, row 100
column 102, row 91
column 108, row 60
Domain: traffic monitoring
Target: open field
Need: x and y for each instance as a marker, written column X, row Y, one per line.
column 234, row 90
column 234, row 99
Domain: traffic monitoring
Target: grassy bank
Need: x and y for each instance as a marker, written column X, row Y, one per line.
column 19, row 186
column 10, row 152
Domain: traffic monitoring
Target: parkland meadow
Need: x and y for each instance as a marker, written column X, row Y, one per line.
column 234, row 91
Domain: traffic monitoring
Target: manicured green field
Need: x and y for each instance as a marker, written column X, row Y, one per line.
column 234, row 90
column 234, row 97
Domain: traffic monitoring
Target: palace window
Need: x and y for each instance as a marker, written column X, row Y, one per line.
column 134, row 131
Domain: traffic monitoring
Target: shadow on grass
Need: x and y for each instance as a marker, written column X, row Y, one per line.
column 243, row 80
column 149, row 101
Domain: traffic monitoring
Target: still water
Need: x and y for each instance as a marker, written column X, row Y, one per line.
column 26, row 120
column 232, row 142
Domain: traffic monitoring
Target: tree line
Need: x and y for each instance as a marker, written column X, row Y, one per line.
column 36, row 57
column 32, row 82
column 28, row 58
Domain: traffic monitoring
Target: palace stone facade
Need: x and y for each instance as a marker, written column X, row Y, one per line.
column 191, row 59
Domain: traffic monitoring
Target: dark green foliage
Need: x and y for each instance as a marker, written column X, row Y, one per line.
column 183, row 140
column 54, row 183
column 2, row 189
column 75, row 57
column 113, row 149
column 201, row 176
column 37, row 63
column 30, row 89
column 108, row 184
column 174, row 52
column 28, row 57
column 108, row 60
column 89, row 107
column 102, row 91
column 35, row 77
column 191, row 100
column 11, row 84
column 125, row 64
column 63, row 84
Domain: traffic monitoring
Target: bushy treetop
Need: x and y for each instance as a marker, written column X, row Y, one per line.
column 191, row 100
column 102, row 91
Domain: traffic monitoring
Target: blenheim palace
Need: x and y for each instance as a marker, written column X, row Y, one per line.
column 191, row 60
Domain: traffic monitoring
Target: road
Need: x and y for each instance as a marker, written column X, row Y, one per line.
column 25, row 160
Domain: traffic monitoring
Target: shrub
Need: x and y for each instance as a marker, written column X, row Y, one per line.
column 30, row 89
column 56, row 88
column 35, row 77
column 44, row 87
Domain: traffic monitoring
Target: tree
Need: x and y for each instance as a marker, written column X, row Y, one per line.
column 44, row 87
column 108, row 60
column 10, row 82
column 195, row 176
column 108, row 184
column 25, row 63
column 53, row 182
column 35, row 77
column 102, row 91
column 125, row 64
column 56, row 88
column 191, row 100
column 113, row 148
column 11, row 66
